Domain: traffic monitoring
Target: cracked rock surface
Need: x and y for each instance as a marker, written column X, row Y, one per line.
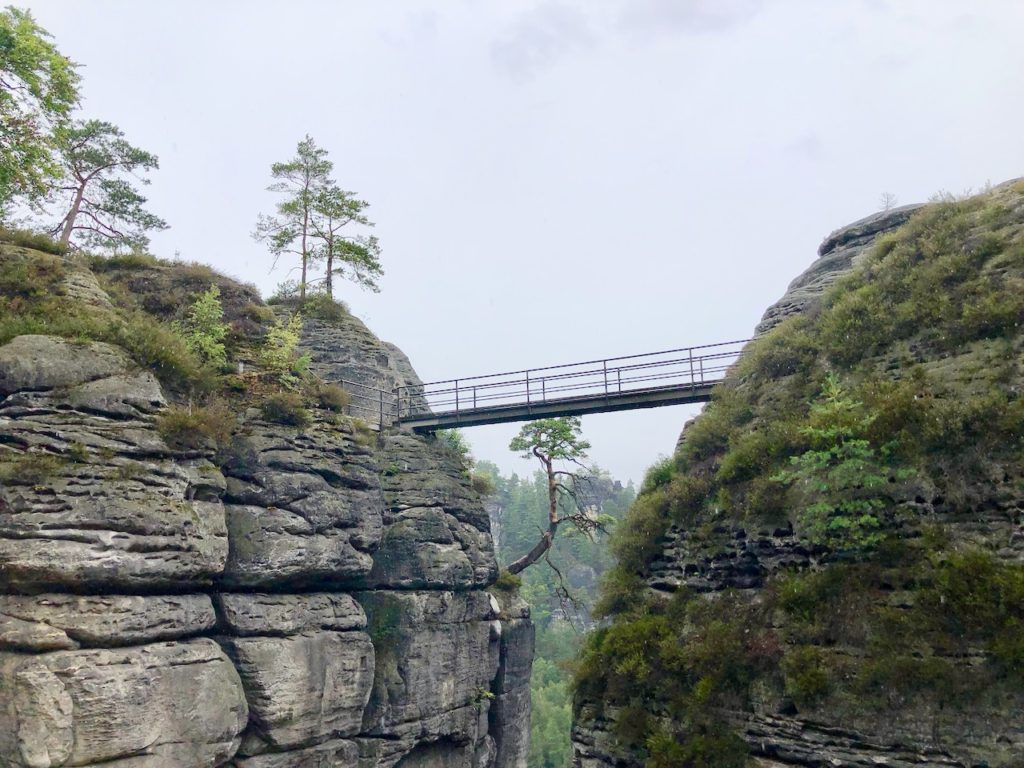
column 315, row 600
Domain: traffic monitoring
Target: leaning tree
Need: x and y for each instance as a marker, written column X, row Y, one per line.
column 561, row 450
column 98, row 191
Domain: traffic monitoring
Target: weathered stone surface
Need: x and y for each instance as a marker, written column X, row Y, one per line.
column 262, row 614
column 346, row 352
column 435, row 653
column 840, row 252
column 45, row 362
column 60, row 622
column 303, row 689
column 97, row 504
column 139, row 705
column 437, row 534
column 303, row 508
column 338, row 753
column 94, row 497
column 510, row 709
column 84, row 526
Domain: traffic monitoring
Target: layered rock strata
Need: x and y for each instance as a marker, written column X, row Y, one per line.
column 317, row 599
column 714, row 558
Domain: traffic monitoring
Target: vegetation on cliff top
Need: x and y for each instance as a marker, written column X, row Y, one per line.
column 877, row 428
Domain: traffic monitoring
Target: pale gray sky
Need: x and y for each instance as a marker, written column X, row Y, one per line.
column 558, row 180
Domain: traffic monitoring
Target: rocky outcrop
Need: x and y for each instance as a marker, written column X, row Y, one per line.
column 725, row 554
column 838, row 254
column 315, row 598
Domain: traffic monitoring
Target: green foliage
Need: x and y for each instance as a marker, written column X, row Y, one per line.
column 323, row 307
column 38, row 90
column 35, row 240
column 31, row 468
column 298, row 181
column 922, row 410
column 331, row 397
column 806, row 674
column 25, row 280
column 557, row 439
column 455, row 442
column 507, row 582
column 204, row 329
column 279, row 353
column 658, row 474
column 286, row 408
column 33, row 302
column 482, row 483
column 350, row 255
column 100, row 203
column 839, row 478
column 197, row 428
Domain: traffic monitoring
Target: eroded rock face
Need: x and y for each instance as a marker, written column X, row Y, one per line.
column 158, row 611
column 928, row 730
column 92, row 706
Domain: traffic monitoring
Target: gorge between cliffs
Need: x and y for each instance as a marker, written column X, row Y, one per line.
column 249, row 568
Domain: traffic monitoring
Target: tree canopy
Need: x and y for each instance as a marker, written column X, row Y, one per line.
column 98, row 187
column 311, row 219
column 38, row 90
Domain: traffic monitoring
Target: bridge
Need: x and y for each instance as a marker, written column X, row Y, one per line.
column 670, row 377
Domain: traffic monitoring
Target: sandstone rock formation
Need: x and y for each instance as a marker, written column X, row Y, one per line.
column 716, row 557
column 315, row 599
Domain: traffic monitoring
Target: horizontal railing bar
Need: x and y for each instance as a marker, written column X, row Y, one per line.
column 587, row 362
column 597, row 372
column 596, row 387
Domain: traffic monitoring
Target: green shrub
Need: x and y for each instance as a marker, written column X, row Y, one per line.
column 323, row 307
column 197, row 428
column 279, row 353
column 806, row 675
column 507, row 582
column 333, row 398
column 36, row 240
column 123, row 261
column 29, row 278
column 204, row 330
column 286, row 408
column 658, row 474
column 483, row 484
column 33, row 468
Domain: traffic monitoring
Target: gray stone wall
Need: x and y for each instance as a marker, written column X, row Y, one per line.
column 317, row 600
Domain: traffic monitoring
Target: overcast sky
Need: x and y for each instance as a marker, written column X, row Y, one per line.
column 558, row 180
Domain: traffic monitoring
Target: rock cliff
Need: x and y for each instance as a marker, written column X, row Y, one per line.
column 739, row 632
column 303, row 596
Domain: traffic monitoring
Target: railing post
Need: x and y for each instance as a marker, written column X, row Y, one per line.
column 604, row 367
column 398, row 404
column 701, row 370
column 544, row 389
column 691, row 367
column 456, row 399
column 618, row 375
column 474, row 397
column 527, row 389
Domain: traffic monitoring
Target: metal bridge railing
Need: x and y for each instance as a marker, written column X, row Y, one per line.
column 689, row 367
column 370, row 403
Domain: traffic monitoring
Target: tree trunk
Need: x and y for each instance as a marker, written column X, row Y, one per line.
column 548, row 538
column 305, row 258
column 69, row 221
column 328, row 284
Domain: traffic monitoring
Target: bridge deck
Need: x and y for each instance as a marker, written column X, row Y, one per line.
column 565, row 406
column 672, row 377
